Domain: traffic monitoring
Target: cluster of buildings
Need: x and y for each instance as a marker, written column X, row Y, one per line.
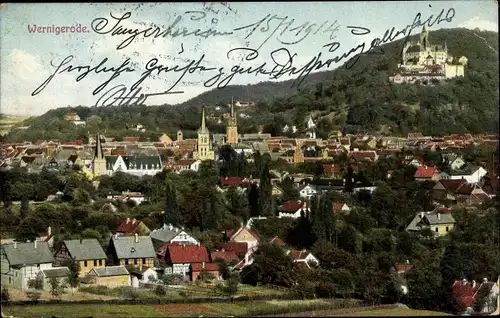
column 134, row 256
column 423, row 61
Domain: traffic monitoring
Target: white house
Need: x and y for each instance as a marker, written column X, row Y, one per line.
column 188, row 165
column 293, row 209
column 171, row 234
column 307, row 191
column 139, row 165
column 21, row 262
column 302, row 256
column 472, row 175
column 136, row 197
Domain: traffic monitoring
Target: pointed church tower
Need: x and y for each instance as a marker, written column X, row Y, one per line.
column 232, row 127
column 99, row 161
column 424, row 39
column 203, row 146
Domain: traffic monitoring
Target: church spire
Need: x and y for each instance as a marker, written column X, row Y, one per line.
column 203, row 129
column 98, row 148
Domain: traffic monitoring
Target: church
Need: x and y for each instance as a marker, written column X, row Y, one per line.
column 424, row 62
column 203, row 144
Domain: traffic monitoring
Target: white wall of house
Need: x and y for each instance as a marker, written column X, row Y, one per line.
column 295, row 215
column 472, row 178
column 183, row 237
column 307, row 192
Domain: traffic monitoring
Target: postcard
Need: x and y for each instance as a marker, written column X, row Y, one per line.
column 201, row 153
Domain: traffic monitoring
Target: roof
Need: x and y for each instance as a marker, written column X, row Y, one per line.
column 298, row 255
column 237, row 247
column 27, row 254
column 402, row 268
column 126, row 247
column 166, row 233
column 465, row 292
column 209, row 267
column 128, row 226
column 231, row 233
column 56, row 272
column 363, row 155
column 181, row 254
column 439, row 216
column 227, row 256
column 109, row 271
column 85, row 249
column 278, row 242
column 290, row 206
column 425, row 172
column 452, row 185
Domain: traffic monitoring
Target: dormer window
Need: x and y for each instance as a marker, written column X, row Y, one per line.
column 132, row 250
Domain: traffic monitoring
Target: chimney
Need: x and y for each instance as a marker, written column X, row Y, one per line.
column 81, row 241
column 439, row 216
column 474, row 284
column 485, row 280
column 241, row 224
column 164, row 226
column 136, row 238
column 407, row 261
column 464, row 281
column 222, row 250
column 133, row 221
column 246, row 258
column 49, row 230
column 183, row 245
column 35, row 243
column 15, row 244
column 128, row 221
column 170, row 227
column 422, row 215
column 203, row 265
column 115, row 236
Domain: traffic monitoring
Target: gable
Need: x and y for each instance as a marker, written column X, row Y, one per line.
column 244, row 235
column 439, row 186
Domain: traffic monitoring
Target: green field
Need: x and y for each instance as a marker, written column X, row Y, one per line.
column 251, row 308
column 6, row 122
column 392, row 312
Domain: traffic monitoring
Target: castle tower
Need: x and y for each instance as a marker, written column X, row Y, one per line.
column 180, row 136
column 232, row 127
column 424, row 39
column 99, row 161
column 203, row 146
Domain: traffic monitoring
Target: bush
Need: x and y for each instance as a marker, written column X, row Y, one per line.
column 34, row 296
column 129, row 292
column 5, row 296
column 160, row 290
column 174, row 279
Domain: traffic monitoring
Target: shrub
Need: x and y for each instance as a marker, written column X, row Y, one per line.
column 129, row 292
column 160, row 290
column 174, row 279
column 5, row 296
column 34, row 296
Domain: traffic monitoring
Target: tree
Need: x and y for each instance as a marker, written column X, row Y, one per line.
column 230, row 286
column 34, row 286
column 205, row 277
column 74, row 268
column 171, row 211
column 5, row 296
column 57, row 287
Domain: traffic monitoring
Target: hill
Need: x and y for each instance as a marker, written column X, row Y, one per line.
column 359, row 99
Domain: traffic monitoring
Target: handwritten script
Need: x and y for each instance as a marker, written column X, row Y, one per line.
column 279, row 63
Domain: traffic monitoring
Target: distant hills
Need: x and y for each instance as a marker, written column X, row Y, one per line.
column 357, row 100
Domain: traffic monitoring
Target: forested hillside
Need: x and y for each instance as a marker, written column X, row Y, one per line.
column 359, row 99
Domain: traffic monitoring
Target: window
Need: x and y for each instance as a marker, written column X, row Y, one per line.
column 95, row 262
column 85, row 263
column 437, row 230
column 100, row 262
column 16, row 274
column 447, row 229
column 135, row 261
column 10, row 280
column 143, row 261
column 126, row 262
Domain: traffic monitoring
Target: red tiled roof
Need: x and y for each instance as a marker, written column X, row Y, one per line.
column 290, row 206
column 425, row 172
column 128, row 226
column 452, row 185
column 465, row 189
column 131, row 139
column 465, row 293
column 402, row 268
column 186, row 162
column 298, row 255
column 338, row 205
column 236, row 247
column 237, row 182
column 363, row 155
column 179, row 254
column 227, row 256
column 331, row 168
column 278, row 242
column 209, row 267
column 482, row 197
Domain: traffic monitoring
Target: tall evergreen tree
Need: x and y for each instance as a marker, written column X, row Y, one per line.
column 171, row 212
column 265, row 192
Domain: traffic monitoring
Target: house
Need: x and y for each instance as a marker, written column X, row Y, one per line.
column 197, row 268
column 490, row 290
column 453, row 161
column 59, row 273
column 135, row 197
column 341, row 207
column 293, row 209
column 440, row 221
column 179, row 258
column 244, row 235
column 21, row 262
column 134, row 251
column 471, row 174
column 278, row 242
column 171, row 234
column 307, row 191
column 303, row 256
column 111, row 276
column 46, row 237
column 145, row 275
column 446, row 189
column 134, row 226
column 87, row 252
column 426, row 173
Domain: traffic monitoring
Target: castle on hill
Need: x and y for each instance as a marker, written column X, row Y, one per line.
column 424, row 62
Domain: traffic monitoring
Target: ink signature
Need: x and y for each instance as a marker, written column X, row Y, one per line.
column 130, row 98
column 99, row 25
column 285, row 24
column 87, row 69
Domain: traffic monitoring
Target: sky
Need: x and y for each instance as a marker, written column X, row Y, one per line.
column 29, row 57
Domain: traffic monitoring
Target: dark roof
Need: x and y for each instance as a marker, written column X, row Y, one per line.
column 128, row 226
column 126, row 247
column 56, row 272
column 109, row 271
column 27, row 254
column 86, row 249
column 227, row 256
